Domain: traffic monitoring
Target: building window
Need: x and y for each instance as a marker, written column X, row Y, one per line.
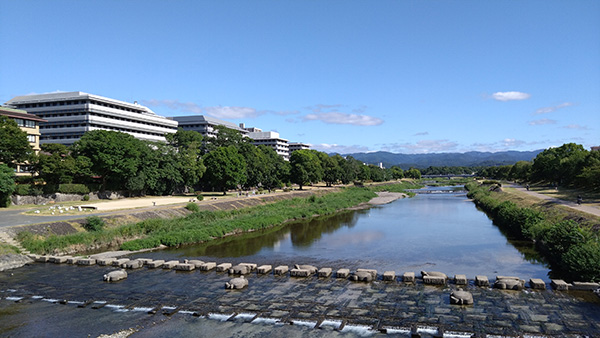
column 31, row 138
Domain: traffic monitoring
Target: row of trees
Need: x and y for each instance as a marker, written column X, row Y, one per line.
column 568, row 165
column 118, row 161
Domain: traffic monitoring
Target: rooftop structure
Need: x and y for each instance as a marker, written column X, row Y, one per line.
column 29, row 124
column 298, row 146
column 205, row 125
column 71, row 114
column 271, row 139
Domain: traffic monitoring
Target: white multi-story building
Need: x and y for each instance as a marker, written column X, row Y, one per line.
column 205, row 125
column 71, row 114
column 271, row 139
column 298, row 146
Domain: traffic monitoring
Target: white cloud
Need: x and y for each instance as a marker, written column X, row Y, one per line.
column 576, row 127
column 344, row 118
column 541, row 122
column 223, row 112
column 510, row 96
column 423, row 133
column 319, row 108
column 338, row 148
column 421, row 147
column 546, row 110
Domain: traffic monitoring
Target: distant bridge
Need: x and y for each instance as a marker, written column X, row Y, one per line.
column 448, row 175
column 420, row 191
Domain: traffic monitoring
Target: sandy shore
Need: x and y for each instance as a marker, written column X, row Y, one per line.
column 386, row 197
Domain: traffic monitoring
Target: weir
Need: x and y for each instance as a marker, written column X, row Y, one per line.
column 379, row 306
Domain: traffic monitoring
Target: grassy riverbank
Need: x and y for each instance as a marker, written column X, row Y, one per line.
column 203, row 226
column 567, row 238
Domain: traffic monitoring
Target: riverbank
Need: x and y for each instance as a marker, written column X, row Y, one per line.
column 566, row 237
column 204, row 225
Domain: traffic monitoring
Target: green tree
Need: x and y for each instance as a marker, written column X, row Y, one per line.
column 225, row 168
column 55, row 165
column 225, row 137
column 397, row 172
column 14, row 146
column 256, row 165
column 188, row 145
column 277, row 169
column 561, row 165
column 305, row 167
column 590, row 173
column 413, row 173
column 7, row 184
column 115, row 156
column 520, row 171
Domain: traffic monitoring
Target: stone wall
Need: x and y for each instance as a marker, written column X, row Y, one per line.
column 60, row 197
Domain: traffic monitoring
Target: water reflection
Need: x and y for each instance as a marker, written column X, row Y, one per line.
column 442, row 232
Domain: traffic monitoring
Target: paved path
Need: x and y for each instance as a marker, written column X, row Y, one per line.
column 585, row 208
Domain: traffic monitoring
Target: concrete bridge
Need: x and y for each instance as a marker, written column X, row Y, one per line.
column 440, row 191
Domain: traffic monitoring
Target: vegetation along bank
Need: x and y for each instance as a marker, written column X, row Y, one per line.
column 202, row 225
column 568, row 239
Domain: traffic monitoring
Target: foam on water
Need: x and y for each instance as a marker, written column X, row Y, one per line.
column 398, row 331
column 360, row 330
column 331, row 323
column 14, row 298
column 245, row 316
column 37, row 297
column 50, row 300
column 141, row 309
column 219, row 316
column 304, row 323
column 263, row 320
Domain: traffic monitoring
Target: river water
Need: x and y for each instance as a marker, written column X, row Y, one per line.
column 441, row 232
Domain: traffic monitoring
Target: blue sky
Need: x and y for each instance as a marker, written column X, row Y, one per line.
column 344, row 76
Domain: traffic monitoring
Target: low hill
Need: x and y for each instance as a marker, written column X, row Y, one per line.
column 468, row 159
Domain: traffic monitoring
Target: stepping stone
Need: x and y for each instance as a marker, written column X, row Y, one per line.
column 240, row 269
column 223, row 267
column 208, row 266
column 185, row 267
column 586, row 286
column 559, row 285
column 389, row 275
column 134, row 264
column 481, row 280
column 342, row 273
column 252, row 266
column 169, row 264
column 364, row 275
column 509, row 283
column 537, row 284
column 281, row 270
column 42, row 259
column 105, row 261
column 59, row 259
column 86, row 261
column 460, row 280
column 325, row 272
column 299, row 273
column 145, row 260
column 197, row 263
column 265, row 269
column 434, row 277
column 156, row 264
column 118, row 262
column 408, row 277
column 72, row 260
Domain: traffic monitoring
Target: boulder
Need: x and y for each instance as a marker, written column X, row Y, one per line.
column 116, row 275
column 509, row 283
column 237, row 283
column 461, row 297
column 310, row 268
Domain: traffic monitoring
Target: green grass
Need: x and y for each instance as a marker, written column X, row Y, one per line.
column 6, row 249
column 203, row 226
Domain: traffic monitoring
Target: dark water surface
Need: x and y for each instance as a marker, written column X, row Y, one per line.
column 429, row 232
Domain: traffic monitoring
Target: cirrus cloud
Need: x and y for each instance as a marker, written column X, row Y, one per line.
column 510, row 96
column 343, row 118
column 222, row 112
column 340, row 149
column 546, row 110
column 541, row 122
column 421, row 147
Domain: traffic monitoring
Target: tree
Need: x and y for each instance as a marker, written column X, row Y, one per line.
column 256, row 165
column 413, row 173
column 225, row 137
column 277, row 169
column 225, row 168
column 188, row 146
column 55, row 165
column 305, row 167
column 520, row 171
column 14, row 146
column 396, row 172
column 560, row 165
column 115, row 156
column 7, row 184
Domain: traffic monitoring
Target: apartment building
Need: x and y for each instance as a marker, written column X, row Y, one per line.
column 271, row 139
column 70, row 114
column 298, row 146
column 30, row 124
column 205, row 125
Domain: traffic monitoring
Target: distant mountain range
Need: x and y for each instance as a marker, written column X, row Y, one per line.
column 468, row 159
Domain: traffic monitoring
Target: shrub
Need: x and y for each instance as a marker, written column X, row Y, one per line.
column 312, row 198
column 86, row 197
column 193, row 207
column 583, row 261
column 94, row 223
column 73, row 189
column 200, row 197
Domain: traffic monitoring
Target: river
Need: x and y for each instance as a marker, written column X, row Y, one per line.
column 441, row 232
